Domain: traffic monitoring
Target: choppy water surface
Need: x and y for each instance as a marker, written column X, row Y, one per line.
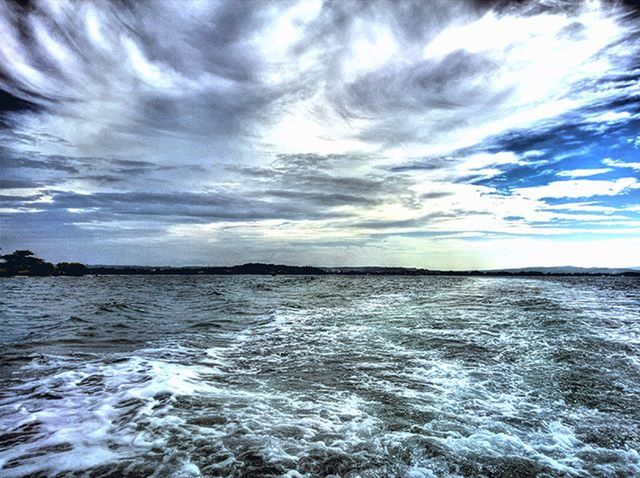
column 331, row 376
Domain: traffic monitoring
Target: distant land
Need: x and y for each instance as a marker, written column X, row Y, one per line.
column 24, row 263
column 570, row 270
column 281, row 269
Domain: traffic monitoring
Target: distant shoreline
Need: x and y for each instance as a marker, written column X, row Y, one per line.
column 227, row 271
column 25, row 263
column 281, row 269
column 284, row 270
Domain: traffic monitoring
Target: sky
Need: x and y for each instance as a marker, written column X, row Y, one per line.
column 434, row 133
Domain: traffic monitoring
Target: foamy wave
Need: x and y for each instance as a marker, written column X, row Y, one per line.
column 91, row 414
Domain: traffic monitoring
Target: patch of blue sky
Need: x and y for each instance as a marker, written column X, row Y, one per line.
column 566, row 152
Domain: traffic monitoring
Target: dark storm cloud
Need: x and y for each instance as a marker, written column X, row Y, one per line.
column 322, row 199
column 11, row 160
column 168, row 208
column 320, row 179
column 436, row 195
column 57, row 169
column 102, row 178
column 18, row 201
column 417, row 222
column 19, row 184
column 426, row 164
column 11, row 103
column 456, row 81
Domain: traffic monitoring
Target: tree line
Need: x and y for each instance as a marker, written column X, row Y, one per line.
column 25, row 263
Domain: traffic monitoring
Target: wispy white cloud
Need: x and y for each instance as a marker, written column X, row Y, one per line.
column 580, row 188
column 621, row 164
column 582, row 173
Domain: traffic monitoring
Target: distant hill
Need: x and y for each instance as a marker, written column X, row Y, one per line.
column 282, row 269
column 570, row 270
column 244, row 269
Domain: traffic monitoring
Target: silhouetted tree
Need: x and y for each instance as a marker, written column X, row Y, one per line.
column 23, row 262
column 71, row 269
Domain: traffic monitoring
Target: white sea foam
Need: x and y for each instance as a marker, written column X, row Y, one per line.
column 95, row 413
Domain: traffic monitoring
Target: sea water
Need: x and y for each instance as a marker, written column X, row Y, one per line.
column 319, row 376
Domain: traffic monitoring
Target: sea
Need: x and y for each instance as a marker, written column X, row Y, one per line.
column 329, row 376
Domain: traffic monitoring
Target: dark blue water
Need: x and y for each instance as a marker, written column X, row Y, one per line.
column 332, row 376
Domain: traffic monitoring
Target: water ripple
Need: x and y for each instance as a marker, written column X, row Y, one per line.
column 335, row 376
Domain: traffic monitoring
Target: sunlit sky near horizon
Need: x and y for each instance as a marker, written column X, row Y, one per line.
column 436, row 133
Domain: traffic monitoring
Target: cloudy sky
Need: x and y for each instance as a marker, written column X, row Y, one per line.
column 433, row 133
